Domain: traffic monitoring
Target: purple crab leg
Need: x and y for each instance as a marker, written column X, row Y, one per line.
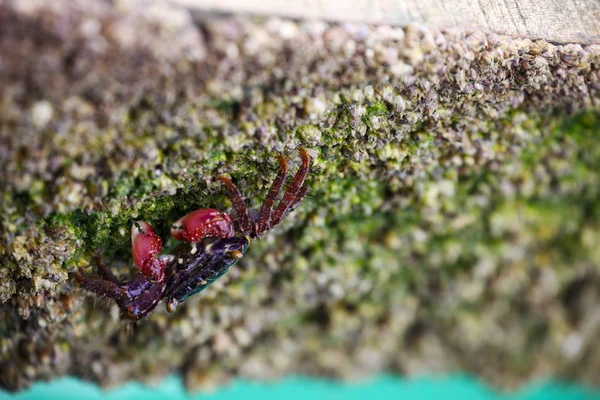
column 291, row 195
column 101, row 287
column 239, row 205
column 264, row 222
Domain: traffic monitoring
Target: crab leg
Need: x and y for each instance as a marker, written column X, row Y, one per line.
column 264, row 222
column 291, row 195
column 105, row 272
column 101, row 286
column 239, row 205
column 299, row 196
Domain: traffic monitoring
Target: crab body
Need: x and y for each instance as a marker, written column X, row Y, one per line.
column 139, row 297
column 192, row 273
column 212, row 243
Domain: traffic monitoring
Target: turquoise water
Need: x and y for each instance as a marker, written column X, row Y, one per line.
column 385, row 387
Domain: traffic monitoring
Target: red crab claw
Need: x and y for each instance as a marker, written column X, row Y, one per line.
column 145, row 244
column 199, row 224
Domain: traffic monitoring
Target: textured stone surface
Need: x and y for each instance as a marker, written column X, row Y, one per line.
column 452, row 224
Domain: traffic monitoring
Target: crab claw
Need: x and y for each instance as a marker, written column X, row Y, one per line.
column 197, row 225
column 145, row 244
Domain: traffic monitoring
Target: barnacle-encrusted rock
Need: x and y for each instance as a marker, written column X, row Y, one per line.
column 453, row 221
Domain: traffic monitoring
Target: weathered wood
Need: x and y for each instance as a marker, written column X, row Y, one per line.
column 557, row 21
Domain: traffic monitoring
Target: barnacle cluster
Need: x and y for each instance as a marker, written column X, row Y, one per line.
column 452, row 221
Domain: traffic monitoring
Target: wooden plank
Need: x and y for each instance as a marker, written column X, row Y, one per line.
column 561, row 21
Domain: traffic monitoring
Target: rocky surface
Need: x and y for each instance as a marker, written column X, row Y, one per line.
column 453, row 221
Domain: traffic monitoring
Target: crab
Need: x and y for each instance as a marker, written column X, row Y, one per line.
column 212, row 242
